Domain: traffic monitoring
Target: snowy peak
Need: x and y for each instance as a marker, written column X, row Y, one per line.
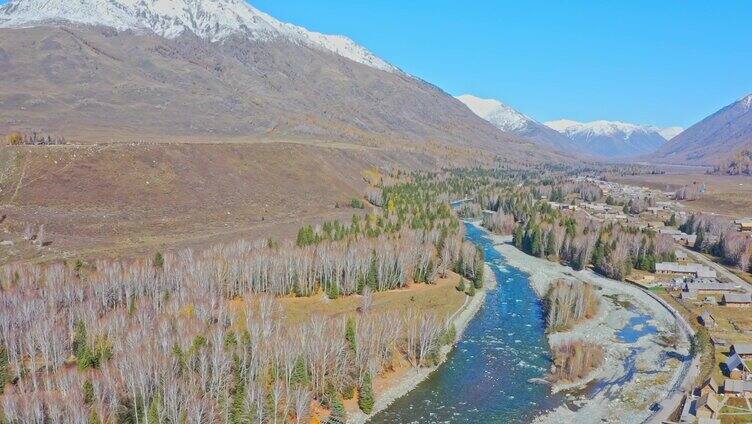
column 670, row 132
column 509, row 120
column 613, row 138
column 502, row 116
column 213, row 20
column 602, row 128
column 746, row 102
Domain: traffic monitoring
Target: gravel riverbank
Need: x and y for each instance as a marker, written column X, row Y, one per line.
column 638, row 369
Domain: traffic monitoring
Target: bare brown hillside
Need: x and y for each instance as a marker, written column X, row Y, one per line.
column 97, row 84
column 181, row 141
column 124, row 197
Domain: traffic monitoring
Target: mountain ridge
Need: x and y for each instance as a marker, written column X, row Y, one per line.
column 510, row 120
column 611, row 139
column 714, row 139
column 213, row 20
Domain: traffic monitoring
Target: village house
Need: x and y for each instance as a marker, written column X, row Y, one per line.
column 744, row 350
column 733, row 300
column 737, row 388
column 695, row 270
column 707, row 320
column 707, row 406
column 709, row 386
column 736, row 368
column 718, row 342
column 681, row 256
column 688, row 295
column 678, row 236
column 744, row 224
column 708, row 285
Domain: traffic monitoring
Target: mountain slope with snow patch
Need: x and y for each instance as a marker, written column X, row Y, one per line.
column 509, row 120
column 611, row 139
column 213, row 20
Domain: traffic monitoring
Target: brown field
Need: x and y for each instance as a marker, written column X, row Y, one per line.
column 441, row 298
column 726, row 195
column 123, row 199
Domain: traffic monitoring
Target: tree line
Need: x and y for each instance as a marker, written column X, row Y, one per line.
column 198, row 336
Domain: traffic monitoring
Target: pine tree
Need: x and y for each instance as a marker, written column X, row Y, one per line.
column 519, row 236
column 4, row 369
column 94, row 418
column 84, row 356
column 373, row 273
column 479, row 268
column 159, row 260
column 365, row 397
column 350, row 334
column 79, row 338
column 338, row 415
column 88, row 390
column 152, row 415
column 300, row 374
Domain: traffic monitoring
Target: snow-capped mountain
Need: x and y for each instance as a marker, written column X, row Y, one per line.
column 715, row 139
column 509, row 120
column 124, row 70
column 611, row 139
column 670, row 132
column 213, row 20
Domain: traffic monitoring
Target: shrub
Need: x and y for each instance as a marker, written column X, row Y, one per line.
column 357, row 204
column 573, row 360
column 15, row 139
column 461, row 286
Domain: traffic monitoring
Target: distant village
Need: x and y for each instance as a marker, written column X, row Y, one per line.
column 716, row 299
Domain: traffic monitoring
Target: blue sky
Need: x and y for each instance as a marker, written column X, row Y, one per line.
column 666, row 62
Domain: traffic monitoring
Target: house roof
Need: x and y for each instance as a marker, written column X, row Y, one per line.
column 737, row 298
column 735, row 362
column 707, row 317
column 737, row 386
column 707, row 284
column 677, row 268
column 709, row 400
column 742, row 348
column 711, row 383
column 718, row 341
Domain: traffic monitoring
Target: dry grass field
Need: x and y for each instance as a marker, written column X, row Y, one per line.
column 122, row 199
column 726, row 195
column 441, row 298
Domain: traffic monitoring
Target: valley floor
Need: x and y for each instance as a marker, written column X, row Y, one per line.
column 639, row 369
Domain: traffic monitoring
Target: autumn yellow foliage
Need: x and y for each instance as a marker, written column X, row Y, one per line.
column 15, row 138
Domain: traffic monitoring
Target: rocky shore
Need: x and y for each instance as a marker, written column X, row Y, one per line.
column 639, row 367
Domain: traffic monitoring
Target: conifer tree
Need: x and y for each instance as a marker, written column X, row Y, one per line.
column 365, row 397
column 4, row 369
column 338, row 415
column 300, row 374
column 350, row 335
column 88, row 390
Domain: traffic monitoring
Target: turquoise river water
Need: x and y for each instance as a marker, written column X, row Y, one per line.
column 487, row 377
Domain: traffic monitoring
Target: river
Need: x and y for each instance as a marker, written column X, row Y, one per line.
column 486, row 378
